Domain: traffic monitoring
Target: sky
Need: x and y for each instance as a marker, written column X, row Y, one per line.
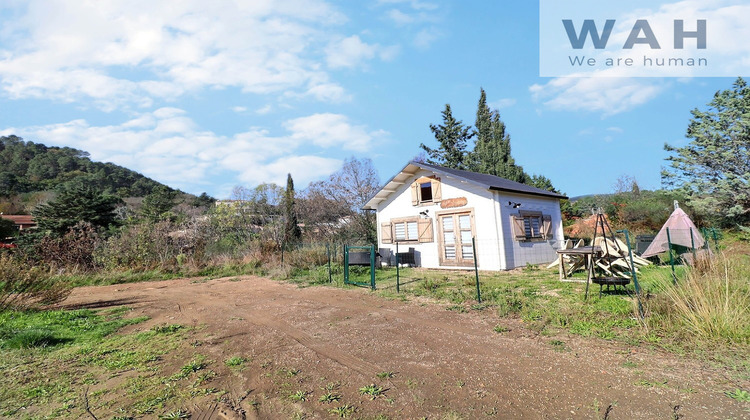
column 205, row 96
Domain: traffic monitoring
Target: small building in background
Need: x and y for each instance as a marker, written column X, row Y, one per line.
column 22, row 221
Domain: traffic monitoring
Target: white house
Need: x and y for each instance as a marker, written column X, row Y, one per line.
column 436, row 211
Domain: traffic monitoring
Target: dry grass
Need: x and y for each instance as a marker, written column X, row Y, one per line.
column 712, row 300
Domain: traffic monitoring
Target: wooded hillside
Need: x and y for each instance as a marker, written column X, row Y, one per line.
column 28, row 167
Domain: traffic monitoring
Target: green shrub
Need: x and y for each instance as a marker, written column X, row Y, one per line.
column 36, row 337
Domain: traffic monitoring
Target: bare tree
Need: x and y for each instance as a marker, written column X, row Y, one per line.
column 334, row 206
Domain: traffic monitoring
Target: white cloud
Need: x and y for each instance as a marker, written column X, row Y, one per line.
column 399, row 17
column 329, row 92
column 73, row 51
column 425, row 37
column 239, row 109
column 168, row 146
column 264, row 110
column 353, row 52
column 502, row 103
column 332, row 130
column 608, row 96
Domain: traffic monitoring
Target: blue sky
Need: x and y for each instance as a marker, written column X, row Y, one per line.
column 204, row 96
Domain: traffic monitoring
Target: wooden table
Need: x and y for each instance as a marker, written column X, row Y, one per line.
column 586, row 252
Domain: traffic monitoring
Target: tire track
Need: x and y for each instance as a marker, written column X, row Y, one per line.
column 361, row 366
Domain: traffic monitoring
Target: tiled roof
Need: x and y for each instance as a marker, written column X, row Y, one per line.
column 19, row 219
column 490, row 182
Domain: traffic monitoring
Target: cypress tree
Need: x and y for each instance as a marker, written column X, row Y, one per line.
column 292, row 232
column 492, row 154
column 452, row 137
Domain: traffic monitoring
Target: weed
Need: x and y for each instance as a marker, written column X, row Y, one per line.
column 332, row 386
column 235, row 361
column 167, row 329
column 739, row 395
column 651, row 384
column 299, row 396
column 175, row 415
column 329, row 397
column 193, row 366
column 343, row 411
column 289, row 372
column 35, row 337
column 457, row 308
column 630, row 364
column 500, row 329
column 460, row 383
column 558, row 345
column 385, row 375
column 372, row 390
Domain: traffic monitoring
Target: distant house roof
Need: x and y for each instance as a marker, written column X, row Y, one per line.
column 489, row 182
column 19, row 219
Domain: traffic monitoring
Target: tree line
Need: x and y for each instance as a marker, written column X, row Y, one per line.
column 490, row 153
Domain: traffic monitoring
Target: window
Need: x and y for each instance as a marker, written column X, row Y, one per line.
column 531, row 226
column 425, row 191
column 411, row 229
column 405, row 231
column 456, row 232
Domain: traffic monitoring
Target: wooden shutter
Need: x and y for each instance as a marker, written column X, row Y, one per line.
column 414, row 193
column 546, row 227
column 519, row 229
column 437, row 191
column 424, row 227
column 386, row 233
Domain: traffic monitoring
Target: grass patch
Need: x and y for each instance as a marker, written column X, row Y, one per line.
column 50, row 359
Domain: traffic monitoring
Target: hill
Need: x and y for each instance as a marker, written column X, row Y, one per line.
column 27, row 167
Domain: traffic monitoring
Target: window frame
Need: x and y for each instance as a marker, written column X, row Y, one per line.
column 435, row 191
column 527, row 217
column 405, row 221
column 460, row 261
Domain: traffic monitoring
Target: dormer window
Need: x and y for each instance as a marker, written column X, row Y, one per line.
column 426, row 191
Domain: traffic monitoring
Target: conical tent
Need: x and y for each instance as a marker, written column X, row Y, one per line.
column 682, row 232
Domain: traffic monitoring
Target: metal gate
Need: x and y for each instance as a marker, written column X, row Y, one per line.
column 359, row 259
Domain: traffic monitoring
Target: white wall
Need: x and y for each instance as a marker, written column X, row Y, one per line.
column 519, row 253
column 399, row 205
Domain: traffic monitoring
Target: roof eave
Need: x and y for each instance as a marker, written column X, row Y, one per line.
column 539, row 194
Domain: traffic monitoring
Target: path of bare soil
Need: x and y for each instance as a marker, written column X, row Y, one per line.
column 445, row 363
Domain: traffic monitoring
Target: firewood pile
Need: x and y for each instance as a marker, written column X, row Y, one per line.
column 611, row 257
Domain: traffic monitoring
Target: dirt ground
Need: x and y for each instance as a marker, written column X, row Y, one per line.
column 445, row 364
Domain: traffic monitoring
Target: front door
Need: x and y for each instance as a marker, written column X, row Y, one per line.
column 456, row 231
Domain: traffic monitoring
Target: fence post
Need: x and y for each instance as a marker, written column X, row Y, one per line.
column 706, row 243
column 282, row 253
column 346, row 265
column 328, row 253
column 716, row 239
column 398, row 280
column 372, row 267
column 671, row 259
column 476, row 269
column 692, row 244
